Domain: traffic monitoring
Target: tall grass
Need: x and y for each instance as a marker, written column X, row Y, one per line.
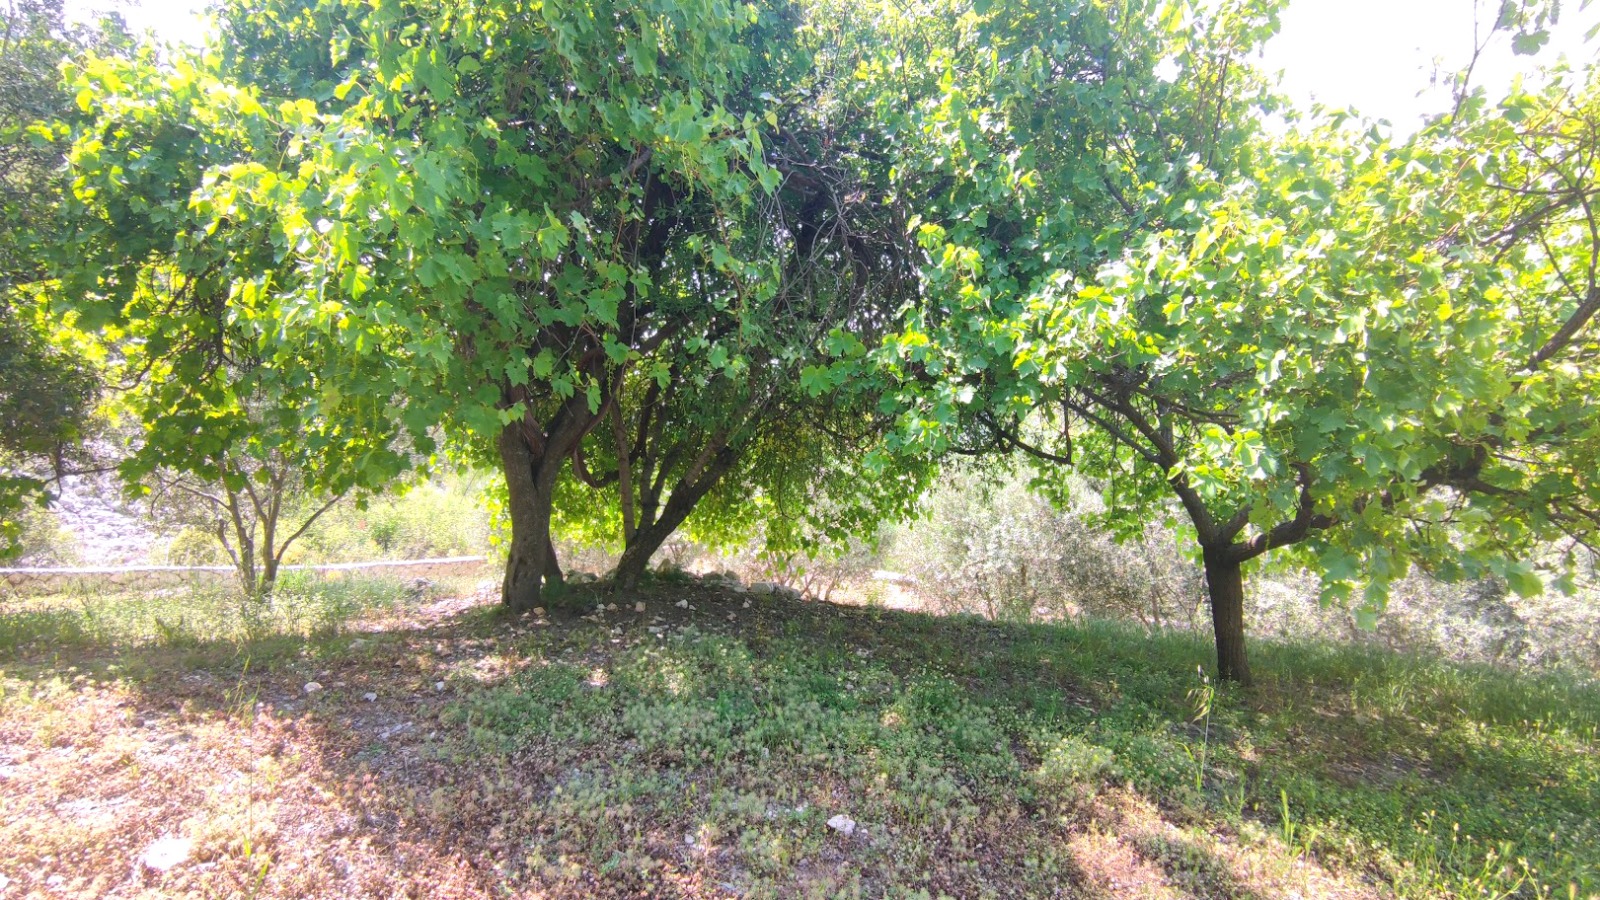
column 303, row 606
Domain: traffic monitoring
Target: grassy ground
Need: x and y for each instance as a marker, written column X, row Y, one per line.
column 701, row 752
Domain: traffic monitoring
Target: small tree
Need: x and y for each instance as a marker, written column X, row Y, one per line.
column 246, row 510
column 257, row 489
column 1377, row 352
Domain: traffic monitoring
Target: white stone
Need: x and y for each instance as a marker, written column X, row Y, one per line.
column 639, row 607
column 312, row 687
column 393, row 730
column 438, row 685
column 746, row 605
column 682, row 604
column 843, row 824
column 166, row 853
column 369, row 697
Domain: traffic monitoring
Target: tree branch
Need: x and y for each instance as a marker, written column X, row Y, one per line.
column 1306, row 519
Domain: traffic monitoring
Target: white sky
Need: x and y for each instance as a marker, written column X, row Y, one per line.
column 172, row 20
column 1378, row 56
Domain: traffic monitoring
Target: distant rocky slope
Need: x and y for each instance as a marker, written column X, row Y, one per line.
column 107, row 530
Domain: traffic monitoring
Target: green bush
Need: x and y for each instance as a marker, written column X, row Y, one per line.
column 194, row 547
column 441, row 518
column 1073, row 769
column 42, row 541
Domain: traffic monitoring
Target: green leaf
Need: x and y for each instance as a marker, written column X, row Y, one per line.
column 1529, row 42
column 544, row 363
column 1523, row 580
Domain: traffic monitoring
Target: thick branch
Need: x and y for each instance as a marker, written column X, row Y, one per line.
column 1569, row 329
column 1306, row 519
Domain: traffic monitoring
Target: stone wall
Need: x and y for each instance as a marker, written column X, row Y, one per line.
column 120, row 578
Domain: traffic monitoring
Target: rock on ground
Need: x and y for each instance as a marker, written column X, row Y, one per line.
column 167, row 853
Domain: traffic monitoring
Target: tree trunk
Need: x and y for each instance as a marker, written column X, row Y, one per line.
column 269, row 576
column 619, row 432
column 653, row 532
column 247, row 567
column 553, row 576
column 644, row 543
column 1225, row 584
column 636, row 557
column 530, row 487
column 271, row 553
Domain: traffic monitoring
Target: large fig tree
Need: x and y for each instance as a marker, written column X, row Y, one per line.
column 474, row 216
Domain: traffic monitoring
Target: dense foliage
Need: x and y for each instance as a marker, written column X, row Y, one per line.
column 1378, row 348
column 690, row 263
column 49, row 378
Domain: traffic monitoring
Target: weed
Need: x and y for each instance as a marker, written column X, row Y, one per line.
column 1202, row 697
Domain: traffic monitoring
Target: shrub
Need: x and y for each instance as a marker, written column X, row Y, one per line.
column 444, row 517
column 42, row 541
column 989, row 543
column 192, row 546
column 1073, row 769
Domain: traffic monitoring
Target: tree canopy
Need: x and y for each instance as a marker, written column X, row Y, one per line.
column 694, row 254
column 50, row 381
column 1378, row 349
column 477, row 218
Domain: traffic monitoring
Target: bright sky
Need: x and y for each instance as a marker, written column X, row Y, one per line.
column 1379, row 56
column 172, row 20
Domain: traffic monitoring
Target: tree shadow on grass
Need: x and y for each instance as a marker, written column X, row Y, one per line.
column 447, row 750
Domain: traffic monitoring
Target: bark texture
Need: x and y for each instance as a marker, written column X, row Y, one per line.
column 1225, row 584
column 531, row 566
